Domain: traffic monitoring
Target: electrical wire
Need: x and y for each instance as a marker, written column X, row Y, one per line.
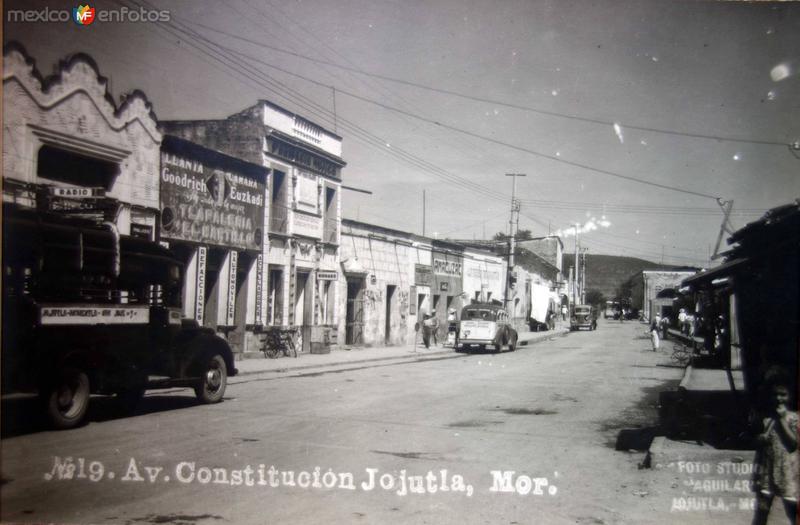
column 494, row 101
column 477, row 135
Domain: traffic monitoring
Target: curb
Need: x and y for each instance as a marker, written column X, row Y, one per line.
column 408, row 357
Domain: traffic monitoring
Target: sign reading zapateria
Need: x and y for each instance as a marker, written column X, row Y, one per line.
column 209, row 198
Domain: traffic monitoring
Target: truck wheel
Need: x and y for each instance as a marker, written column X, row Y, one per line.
column 512, row 344
column 67, row 398
column 214, row 378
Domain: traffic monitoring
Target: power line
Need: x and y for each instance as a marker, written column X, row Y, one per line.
column 358, row 132
column 495, row 101
column 477, row 135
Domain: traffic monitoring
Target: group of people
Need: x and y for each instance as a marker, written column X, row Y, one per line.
column 430, row 327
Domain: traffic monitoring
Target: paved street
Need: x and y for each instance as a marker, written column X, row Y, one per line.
column 549, row 412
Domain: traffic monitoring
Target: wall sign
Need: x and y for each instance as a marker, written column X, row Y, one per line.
column 324, row 275
column 200, row 301
column 445, row 267
column 231, row 306
column 259, row 313
column 423, row 275
column 205, row 204
column 307, row 225
column 444, row 286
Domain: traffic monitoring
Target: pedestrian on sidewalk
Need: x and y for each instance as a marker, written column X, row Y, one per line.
column 429, row 326
column 654, row 334
column 664, row 326
column 776, row 463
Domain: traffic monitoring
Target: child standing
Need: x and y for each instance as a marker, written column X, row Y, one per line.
column 654, row 334
column 776, row 463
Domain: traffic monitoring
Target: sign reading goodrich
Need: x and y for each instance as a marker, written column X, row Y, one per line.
column 210, row 202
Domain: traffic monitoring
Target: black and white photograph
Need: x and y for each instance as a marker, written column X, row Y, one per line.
column 383, row 261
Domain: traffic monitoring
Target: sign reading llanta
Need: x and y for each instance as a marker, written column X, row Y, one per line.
column 208, row 205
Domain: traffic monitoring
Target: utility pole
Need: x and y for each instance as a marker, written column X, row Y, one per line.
column 511, row 245
column 575, row 294
column 423, row 213
column 583, row 274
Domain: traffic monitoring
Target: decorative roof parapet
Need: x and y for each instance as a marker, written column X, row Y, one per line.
column 78, row 73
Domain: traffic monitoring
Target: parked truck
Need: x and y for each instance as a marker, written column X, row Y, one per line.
column 88, row 311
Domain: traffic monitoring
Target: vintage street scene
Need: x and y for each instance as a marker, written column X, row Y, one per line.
column 400, row 262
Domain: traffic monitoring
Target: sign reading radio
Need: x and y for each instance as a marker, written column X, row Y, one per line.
column 443, row 267
column 208, row 205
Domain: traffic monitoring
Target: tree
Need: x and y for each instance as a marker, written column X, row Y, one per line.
column 521, row 235
column 595, row 297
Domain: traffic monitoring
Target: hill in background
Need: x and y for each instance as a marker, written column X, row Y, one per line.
column 607, row 272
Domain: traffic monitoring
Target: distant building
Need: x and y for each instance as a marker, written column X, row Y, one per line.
column 535, row 285
column 391, row 279
column 653, row 291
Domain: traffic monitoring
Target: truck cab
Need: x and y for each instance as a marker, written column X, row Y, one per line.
column 89, row 311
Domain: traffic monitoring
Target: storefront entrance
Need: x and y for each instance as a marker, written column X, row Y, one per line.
column 354, row 320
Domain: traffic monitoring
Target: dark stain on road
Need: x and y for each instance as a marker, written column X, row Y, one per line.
column 177, row 519
column 410, row 455
column 529, row 411
column 249, row 440
column 636, row 425
column 559, row 397
column 473, row 423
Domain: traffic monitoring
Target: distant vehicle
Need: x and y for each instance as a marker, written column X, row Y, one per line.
column 612, row 310
column 485, row 324
column 583, row 316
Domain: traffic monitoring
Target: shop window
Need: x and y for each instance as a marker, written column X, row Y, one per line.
column 64, row 166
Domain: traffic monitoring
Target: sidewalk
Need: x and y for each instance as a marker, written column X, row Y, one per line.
column 340, row 357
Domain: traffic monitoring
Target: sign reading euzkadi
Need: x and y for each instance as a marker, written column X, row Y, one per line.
column 81, row 314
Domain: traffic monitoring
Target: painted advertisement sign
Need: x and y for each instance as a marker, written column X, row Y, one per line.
column 209, row 205
column 445, row 266
column 307, row 225
column 200, row 299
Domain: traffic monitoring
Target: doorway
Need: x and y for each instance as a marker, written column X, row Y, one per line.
column 304, row 307
column 354, row 320
column 390, row 292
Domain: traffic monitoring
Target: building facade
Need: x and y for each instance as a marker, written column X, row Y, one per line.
column 392, row 279
column 213, row 217
column 68, row 147
column 647, row 286
column 303, row 208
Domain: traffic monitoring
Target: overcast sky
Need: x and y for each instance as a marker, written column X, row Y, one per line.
column 450, row 95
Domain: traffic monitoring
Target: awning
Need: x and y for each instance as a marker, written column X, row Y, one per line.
column 724, row 270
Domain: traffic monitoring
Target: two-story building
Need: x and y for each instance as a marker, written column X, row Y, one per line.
column 303, row 208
